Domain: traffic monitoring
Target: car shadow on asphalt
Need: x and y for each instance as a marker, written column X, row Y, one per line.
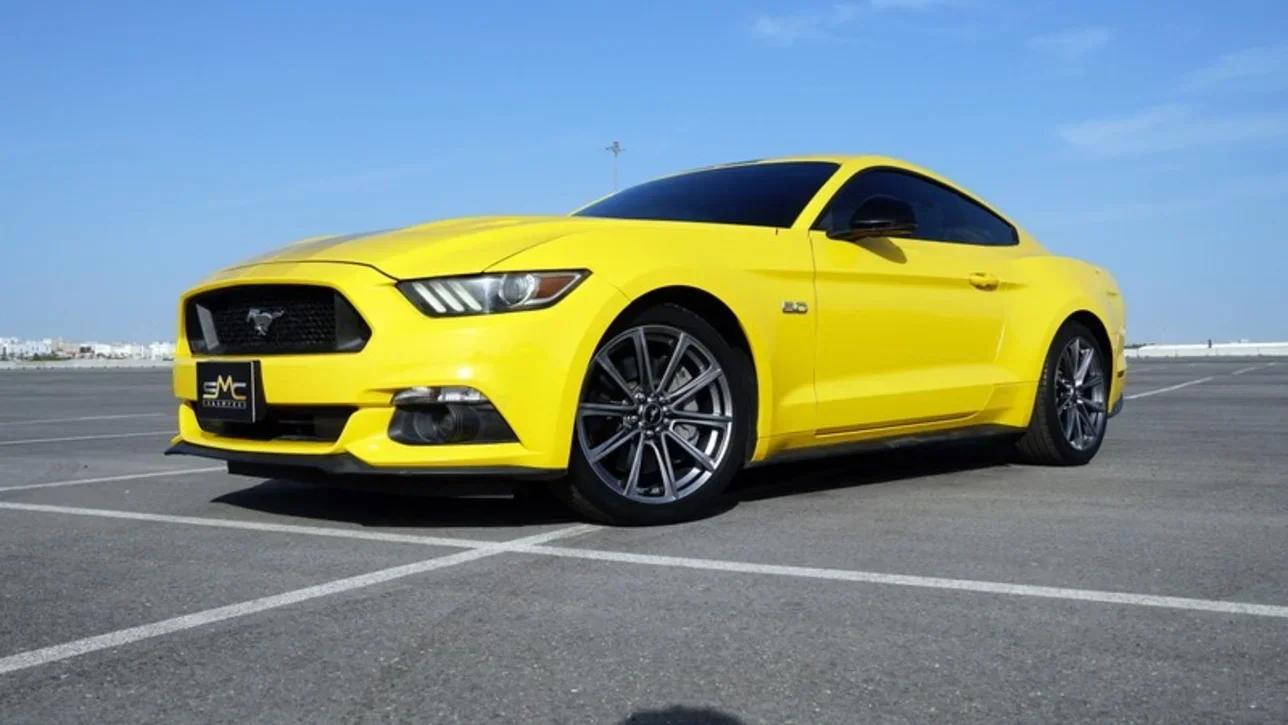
column 680, row 715
column 383, row 508
column 868, row 468
column 387, row 509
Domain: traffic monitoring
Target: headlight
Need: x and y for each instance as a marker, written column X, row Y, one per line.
column 487, row 294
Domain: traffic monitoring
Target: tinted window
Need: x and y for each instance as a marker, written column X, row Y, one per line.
column 765, row 195
column 943, row 215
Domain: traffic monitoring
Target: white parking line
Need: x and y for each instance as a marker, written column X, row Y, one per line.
column 84, row 418
column 108, row 479
column 1168, row 389
column 251, row 526
column 1248, row 370
column 1195, row 382
column 965, row 585
column 56, row 653
column 87, row 438
column 522, row 546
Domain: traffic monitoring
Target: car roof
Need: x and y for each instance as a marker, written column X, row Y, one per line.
column 852, row 160
column 870, row 160
column 845, row 160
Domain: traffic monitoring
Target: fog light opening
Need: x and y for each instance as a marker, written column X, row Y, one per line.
column 417, row 421
column 444, row 424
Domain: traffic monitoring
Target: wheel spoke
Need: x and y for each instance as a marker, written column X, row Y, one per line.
column 1069, row 360
column 598, row 453
column 703, row 460
column 642, row 359
column 607, row 365
column 1094, row 405
column 1084, row 363
column 1092, row 381
column 637, row 458
column 664, row 466
column 712, row 420
column 673, row 365
column 691, row 388
column 612, row 410
column 1066, row 422
column 1077, row 427
column 1086, row 424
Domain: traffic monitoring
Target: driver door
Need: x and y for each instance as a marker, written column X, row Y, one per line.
column 908, row 327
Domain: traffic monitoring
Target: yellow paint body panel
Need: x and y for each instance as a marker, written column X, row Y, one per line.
column 896, row 341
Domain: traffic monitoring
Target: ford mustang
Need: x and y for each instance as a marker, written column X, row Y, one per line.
column 635, row 354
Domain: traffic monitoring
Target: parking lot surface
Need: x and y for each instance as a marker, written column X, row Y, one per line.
column 927, row 584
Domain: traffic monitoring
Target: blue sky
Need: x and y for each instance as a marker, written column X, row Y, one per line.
column 143, row 144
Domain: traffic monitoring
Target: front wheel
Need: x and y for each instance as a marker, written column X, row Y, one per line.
column 1072, row 406
column 662, row 421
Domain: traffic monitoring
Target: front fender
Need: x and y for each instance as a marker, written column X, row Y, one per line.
column 752, row 271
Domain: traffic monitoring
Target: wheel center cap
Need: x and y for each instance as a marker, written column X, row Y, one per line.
column 651, row 415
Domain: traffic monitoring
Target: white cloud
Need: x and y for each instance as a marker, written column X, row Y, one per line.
column 1073, row 45
column 1172, row 128
column 908, row 4
column 1265, row 66
column 786, row 30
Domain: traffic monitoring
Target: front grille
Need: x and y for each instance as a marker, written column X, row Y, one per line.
column 286, row 423
column 273, row 320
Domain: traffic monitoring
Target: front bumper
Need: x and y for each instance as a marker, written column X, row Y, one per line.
column 529, row 365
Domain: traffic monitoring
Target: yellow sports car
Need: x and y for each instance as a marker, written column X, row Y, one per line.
column 639, row 351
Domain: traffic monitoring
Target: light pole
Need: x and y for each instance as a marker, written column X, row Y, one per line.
column 616, row 150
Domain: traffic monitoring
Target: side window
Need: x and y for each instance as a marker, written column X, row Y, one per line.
column 976, row 225
column 943, row 215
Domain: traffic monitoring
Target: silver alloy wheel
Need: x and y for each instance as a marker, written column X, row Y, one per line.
column 1080, row 394
column 656, row 416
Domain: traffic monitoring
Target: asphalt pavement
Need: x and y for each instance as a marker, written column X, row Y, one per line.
column 938, row 584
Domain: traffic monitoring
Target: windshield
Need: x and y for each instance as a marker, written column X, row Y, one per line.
column 763, row 195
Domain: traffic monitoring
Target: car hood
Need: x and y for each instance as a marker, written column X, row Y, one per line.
column 448, row 247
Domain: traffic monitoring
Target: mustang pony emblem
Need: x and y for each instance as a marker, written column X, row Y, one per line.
column 263, row 319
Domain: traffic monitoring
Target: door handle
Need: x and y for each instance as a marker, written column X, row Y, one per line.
column 981, row 280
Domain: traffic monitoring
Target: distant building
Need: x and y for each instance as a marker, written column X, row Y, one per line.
column 129, row 351
column 63, row 348
column 18, row 348
column 29, row 348
column 161, row 351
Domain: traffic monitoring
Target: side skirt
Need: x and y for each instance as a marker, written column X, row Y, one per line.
column 978, row 432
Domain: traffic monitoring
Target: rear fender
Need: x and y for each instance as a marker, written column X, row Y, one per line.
column 1055, row 289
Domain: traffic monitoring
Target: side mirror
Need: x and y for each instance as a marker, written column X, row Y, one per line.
column 877, row 216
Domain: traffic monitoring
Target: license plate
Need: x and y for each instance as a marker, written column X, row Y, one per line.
column 229, row 391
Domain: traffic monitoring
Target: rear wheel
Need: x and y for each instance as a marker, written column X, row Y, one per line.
column 662, row 421
column 1072, row 406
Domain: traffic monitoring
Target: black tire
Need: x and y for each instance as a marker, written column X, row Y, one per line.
column 1045, row 441
column 597, row 498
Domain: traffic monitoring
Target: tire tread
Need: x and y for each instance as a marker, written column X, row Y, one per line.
column 1038, row 445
